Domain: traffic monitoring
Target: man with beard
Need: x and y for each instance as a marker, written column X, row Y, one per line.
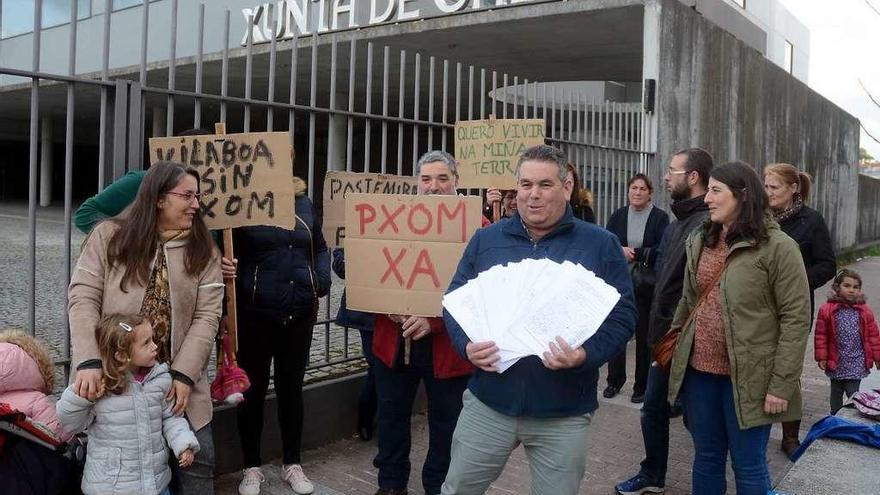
column 687, row 177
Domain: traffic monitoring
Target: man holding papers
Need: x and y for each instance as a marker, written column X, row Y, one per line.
column 545, row 403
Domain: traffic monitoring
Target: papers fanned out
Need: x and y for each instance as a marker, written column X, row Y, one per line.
column 523, row 306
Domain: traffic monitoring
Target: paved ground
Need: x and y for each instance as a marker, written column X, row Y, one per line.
column 615, row 448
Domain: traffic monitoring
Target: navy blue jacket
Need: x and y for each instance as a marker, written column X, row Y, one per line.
column 528, row 388
column 350, row 317
column 282, row 273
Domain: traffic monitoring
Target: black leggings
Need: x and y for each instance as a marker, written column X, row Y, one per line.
column 260, row 341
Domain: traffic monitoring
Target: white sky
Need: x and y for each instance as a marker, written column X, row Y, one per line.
column 845, row 46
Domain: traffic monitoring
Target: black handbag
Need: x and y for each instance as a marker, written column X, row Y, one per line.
column 643, row 276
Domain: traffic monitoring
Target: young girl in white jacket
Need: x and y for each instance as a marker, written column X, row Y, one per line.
column 129, row 424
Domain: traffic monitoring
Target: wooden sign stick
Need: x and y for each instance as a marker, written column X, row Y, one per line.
column 231, row 312
column 496, row 205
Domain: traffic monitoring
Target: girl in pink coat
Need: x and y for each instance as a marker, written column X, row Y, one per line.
column 847, row 340
column 27, row 377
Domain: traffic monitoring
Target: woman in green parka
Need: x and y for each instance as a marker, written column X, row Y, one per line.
column 738, row 360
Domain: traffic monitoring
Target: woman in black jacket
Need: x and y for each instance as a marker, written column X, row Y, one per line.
column 281, row 275
column 788, row 190
column 639, row 226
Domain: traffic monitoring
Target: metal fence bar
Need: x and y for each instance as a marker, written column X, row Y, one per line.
column 349, row 148
column 137, row 146
column 445, row 103
column 430, row 103
column 516, row 97
column 385, row 63
column 416, row 86
column 457, row 91
column 200, row 53
column 471, row 92
column 32, row 176
column 400, row 112
column 504, row 98
column 331, row 138
column 313, row 100
column 172, row 66
column 248, row 74
column 224, row 66
column 135, row 128
column 369, row 106
column 482, row 94
column 120, row 125
column 273, row 50
column 105, row 72
column 68, row 179
column 494, row 111
column 294, row 70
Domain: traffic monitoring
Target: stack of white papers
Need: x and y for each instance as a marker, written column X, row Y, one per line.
column 523, row 306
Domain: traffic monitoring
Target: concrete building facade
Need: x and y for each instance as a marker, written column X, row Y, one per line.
column 621, row 84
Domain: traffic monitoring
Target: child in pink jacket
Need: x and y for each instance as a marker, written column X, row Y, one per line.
column 27, row 377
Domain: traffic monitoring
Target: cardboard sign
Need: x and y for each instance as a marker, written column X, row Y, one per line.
column 338, row 185
column 246, row 179
column 488, row 150
column 402, row 251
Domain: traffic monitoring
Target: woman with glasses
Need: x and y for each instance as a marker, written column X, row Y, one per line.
column 155, row 258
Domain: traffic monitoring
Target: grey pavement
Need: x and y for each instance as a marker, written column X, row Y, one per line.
column 614, row 451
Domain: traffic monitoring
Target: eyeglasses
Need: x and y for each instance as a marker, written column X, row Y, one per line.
column 187, row 196
column 677, row 172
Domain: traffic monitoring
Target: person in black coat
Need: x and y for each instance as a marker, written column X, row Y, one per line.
column 639, row 227
column 281, row 275
column 788, row 190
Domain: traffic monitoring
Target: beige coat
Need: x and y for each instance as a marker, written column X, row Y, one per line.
column 196, row 304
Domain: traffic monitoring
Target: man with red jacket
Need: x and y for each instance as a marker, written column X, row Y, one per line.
column 432, row 360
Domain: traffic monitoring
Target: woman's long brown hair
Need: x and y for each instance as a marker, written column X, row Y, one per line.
column 133, row 246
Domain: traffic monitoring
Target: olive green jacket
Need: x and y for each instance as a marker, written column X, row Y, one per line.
column 765, row 304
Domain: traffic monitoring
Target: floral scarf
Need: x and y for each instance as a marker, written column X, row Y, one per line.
column 157, row 300
column 783, row 215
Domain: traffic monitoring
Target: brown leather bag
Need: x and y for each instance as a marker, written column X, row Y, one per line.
column 665, row 347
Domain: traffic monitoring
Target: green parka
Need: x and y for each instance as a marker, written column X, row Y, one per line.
column 765, row 304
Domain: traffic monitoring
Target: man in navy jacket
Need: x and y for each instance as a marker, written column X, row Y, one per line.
column 545, row 404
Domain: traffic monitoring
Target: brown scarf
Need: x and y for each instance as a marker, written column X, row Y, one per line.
column 783, row 215
column 157, row 300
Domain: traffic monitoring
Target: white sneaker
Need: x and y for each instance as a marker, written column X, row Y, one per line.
column 251, row 479
column 299, row 483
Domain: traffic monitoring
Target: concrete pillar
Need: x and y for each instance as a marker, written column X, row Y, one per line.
column 46, row 161
column 337, row 137
column 160, row 115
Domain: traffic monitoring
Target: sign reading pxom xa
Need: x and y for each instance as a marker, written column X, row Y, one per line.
column 287, row 18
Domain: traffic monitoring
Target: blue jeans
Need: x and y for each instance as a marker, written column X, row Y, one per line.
column 655, row 426
column 396, row 390
column 711, row 420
